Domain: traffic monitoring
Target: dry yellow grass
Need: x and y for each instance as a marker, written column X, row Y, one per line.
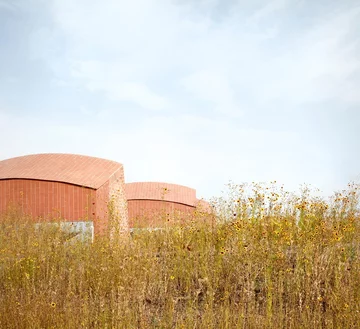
column 274, row 260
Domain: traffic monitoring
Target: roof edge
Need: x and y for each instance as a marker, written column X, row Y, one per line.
column 70, row 168
column 60, row 153
column 156, row 182
column 50, row 181
column 167, row 201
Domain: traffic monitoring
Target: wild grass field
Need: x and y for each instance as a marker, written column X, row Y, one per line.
column 273, row 260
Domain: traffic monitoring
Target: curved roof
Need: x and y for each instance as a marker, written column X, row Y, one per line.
column 161, row 191
column 67, row 168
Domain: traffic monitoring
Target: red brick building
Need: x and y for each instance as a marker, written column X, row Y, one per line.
column 65, row 186
column 152, row 204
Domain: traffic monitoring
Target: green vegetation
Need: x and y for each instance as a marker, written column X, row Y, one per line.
column 273, row 260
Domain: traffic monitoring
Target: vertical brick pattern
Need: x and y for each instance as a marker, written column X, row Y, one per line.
column 64, row 186
column 117, row 195
column 47, row 200
column 101, row 214
column 112, row 191
column 157, row 213
column 155, row 204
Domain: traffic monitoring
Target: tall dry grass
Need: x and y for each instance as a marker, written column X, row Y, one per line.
column 274, row 260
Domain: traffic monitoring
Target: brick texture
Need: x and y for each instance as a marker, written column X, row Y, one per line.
column 67, row 168
column 73, row 188
column 47, row 200
column 154, row 213
column 161, row 191
column 155, row 204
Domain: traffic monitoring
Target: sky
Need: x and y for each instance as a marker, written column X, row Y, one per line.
column 191, row 92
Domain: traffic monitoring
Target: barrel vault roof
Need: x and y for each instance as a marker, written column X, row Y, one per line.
column 161, row 191
column 67, row 168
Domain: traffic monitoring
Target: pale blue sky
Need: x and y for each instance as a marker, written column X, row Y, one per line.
column 190, row 92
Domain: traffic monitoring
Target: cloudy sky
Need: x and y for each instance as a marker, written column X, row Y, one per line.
column 194, row 92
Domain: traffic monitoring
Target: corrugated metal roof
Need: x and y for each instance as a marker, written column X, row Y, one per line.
column 68, row 168
column 160, row 191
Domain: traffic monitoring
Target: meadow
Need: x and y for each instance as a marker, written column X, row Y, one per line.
column 273, row 259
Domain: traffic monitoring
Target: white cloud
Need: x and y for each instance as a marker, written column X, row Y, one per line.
column 138, row 93
column 266, row 10
column 175, row 59
column 7, row 5
column 110, row 80
column 213, row 87
column 318, row 66
column 135, row 43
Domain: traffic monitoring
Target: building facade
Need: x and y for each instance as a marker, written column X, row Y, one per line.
column 66, row 187
column 155, row 204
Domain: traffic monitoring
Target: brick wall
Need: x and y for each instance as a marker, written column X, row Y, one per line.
column 118, row 200
column 112, row 194
column 47, row 200
column 156, row 213
column 102, row 215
